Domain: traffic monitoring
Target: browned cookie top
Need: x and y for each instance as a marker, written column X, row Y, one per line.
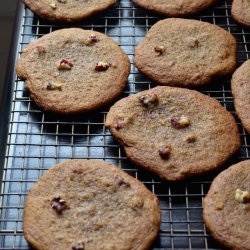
column 73, row 70
column 241, row 12
column 227, row 207
column 241, row 92
column 174, row 132
column 87, row 205
column 67, row 10
column 175, row 8
column 185, row 53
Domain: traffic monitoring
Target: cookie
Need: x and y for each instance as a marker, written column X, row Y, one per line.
column 87, row 204
column 175, row 8
column 241, row 91
column 241, row 12
column 185, row 53
column 226, row 210
column 67, row 10
column 174, row 132
column 73, row 70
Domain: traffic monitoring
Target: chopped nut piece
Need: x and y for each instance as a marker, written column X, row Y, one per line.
column 102, row 66
column 65, row 64
column 54, row 86
column 78, row 246
column 40, row 49
column 120, row 181
column 219, row 205
column 190, row 138
column 160, row 49
column 180, row 122
column 242, row 196
column 148, row 100
column 62, row 1
column 119, row 124
column 165, row 151
column 52, row 5
column 94, row 39
column 58, row 204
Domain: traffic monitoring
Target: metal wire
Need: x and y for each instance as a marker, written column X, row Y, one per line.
column 38, row 140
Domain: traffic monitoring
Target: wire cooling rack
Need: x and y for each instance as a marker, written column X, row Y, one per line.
column 38, row 140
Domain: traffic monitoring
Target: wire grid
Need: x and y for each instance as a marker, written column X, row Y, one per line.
column 38, row 140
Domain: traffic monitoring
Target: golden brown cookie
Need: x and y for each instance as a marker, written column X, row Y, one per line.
column 67, row 10
column 241, row 12
column 186, row 53
column 87, row 204
column 241, row 91
column 73, row 70
column 175, row 8
column 174, row 132
column 226, row 210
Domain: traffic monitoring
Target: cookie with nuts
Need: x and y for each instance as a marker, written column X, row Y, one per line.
column 241, row 12
column 174, row 132
column 175, row 8
column 186, row 53
column 73, row 70
column 240, row 84
column 226, row 210
column 67, row 10
column 87, row 204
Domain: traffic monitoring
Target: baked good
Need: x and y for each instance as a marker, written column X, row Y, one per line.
column 87, row 204
column 241, row 12
column 185, row 53
column 241, row 91
column 67, row 10
column 174, row 132
column 175, row 8
column 73, row 70
column 226, row 210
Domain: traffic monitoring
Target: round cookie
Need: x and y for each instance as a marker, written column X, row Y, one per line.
column 241, row 91
column 185, row 53
column 226, row 210
column 67, row 10
column 73, row 70
column 174, row 132
column 241, row 12
column 87, row 204
column 175, row 8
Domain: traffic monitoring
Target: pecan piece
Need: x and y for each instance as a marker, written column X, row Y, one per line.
column 102, row 66
column 78, row 246
column 65, row 64
column 165, row 151
column 180, row 122
column 119, row 124
column 159, row 49
column 120, row 181
column 54, row 86
column 242, row 196
column 40, row 49
column 148, row 100
column 58, row 204
column 52, row 5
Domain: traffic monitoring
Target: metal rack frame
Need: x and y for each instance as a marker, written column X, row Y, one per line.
column 37, row 140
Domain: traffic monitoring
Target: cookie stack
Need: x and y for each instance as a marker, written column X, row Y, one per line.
column 170, row 130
